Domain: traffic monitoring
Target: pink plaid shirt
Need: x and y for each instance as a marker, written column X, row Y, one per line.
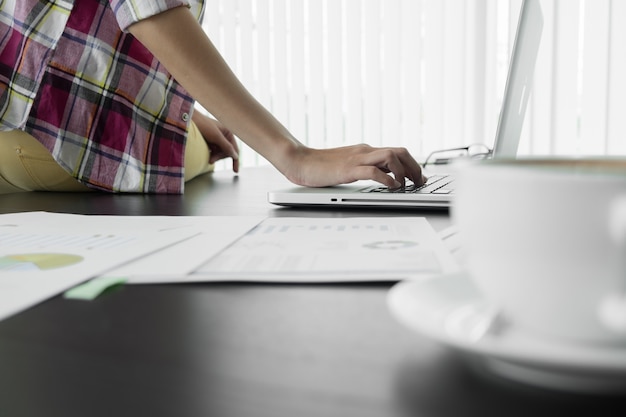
column 96, row 98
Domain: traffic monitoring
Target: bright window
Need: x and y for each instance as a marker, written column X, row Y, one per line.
column 426, row 74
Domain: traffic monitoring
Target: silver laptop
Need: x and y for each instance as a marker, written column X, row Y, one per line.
column 438, row 192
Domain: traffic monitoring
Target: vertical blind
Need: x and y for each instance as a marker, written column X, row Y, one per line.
column 427, row 74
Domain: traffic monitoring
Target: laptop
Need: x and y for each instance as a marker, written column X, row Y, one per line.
column 438, row 192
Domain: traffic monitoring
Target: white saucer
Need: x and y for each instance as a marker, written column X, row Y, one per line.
column 450, row 310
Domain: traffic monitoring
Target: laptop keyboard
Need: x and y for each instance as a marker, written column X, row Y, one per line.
column 436, row 184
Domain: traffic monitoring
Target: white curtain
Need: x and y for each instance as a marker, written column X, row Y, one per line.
column 427, row 74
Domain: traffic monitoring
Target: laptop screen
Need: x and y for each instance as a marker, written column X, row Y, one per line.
column 519, row 80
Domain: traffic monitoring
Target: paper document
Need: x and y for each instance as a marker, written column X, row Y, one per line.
column 331, row 250
column 452, row 241
column 44, row 254
column 214, row 234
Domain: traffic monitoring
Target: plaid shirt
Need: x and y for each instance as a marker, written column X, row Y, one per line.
column 96, row 98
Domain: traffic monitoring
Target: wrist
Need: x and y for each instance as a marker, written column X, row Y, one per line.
column 290, row 159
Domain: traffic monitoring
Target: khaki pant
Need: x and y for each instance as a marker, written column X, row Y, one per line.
column 26, row 165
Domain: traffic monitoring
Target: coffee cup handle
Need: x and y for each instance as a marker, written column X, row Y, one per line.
column 612, row 309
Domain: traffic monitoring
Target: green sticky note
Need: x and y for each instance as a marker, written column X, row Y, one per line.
column 91, row 289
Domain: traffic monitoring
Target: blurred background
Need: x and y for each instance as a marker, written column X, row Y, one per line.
column 426, row 74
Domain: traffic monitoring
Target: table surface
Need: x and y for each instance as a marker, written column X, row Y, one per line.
column 240, row 349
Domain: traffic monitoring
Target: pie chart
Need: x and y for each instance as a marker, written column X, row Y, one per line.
column 37, row 261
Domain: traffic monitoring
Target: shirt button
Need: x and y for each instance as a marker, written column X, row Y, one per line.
column 185, row 117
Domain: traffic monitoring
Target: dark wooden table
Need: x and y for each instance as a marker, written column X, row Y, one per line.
column 241, row 349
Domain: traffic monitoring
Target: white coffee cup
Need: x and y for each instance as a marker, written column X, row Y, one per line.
column 545, row 241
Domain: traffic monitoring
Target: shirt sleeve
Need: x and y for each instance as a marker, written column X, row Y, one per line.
column 128, row 12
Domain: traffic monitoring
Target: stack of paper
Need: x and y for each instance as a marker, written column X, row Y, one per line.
column 44, row 254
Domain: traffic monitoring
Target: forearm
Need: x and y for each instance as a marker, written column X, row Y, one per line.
column 177, row 40
column 179, row 43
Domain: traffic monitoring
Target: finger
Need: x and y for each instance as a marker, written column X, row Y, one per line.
column 413, row 169
column 233, row 142
column 218, row 155
column 386, row 160
column 231, row 138
column 410, row 167
column 227, row 146
column 375, row 174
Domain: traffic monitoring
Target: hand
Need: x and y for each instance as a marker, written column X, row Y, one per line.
column 220, row 140
column 325, row 167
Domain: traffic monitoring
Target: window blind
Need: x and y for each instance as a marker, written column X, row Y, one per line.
column 426, row 74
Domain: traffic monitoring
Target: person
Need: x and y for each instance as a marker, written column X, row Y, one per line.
column 100, row 95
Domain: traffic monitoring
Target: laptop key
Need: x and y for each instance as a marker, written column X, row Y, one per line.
column 433, row 186
column 434, row 183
